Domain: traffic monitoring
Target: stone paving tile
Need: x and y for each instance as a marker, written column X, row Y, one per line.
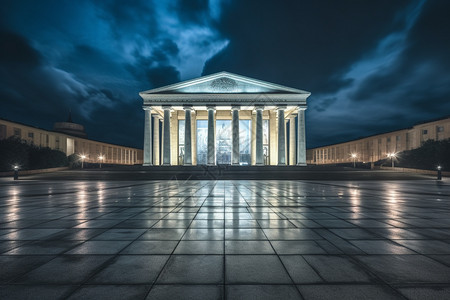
column 170, row 292
column 131, row 269
column 369, row 292
column 381, row 247
column 334, row 268
column 193, row 269
column 427, row 246
column 300, row 270
column 397, row 269
column 32, row 292
column 297, row 247
column 262, row 292
column 248, row 247
column 67, row 269
column 200, row 247
column 150, row 247
column 419, row 293
column 43, row 248
column 99, row 247
column 14, row 266
column 254, row 269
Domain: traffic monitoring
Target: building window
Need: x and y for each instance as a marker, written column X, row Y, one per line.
column 388, row 139
column 30, row 135
column 424, row 131
column 181, row 130
column 2, row 131
column 440, row 129
column 17, row 132
column 398, row 138
column 266, row 139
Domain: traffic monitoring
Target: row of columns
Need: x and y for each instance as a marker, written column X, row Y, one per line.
column 235, row 160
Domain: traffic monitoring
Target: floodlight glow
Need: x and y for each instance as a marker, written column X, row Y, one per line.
column 439, row 167
column 16, row 167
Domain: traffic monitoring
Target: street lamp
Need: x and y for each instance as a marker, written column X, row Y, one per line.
column 16, row 172
column 101, row 158
column 439, row 174
column 354, row 155
column 392, row 156
column 83, row 157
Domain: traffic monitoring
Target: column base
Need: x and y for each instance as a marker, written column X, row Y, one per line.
column 147, row 165
column 165, row 165
column 187, row 165
column 301, row 164
column 259, row 164
column 235, row 164
column 281, row 164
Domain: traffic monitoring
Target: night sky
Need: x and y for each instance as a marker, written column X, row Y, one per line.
column 371, row 66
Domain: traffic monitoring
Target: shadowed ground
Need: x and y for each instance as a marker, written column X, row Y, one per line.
column 228, row 173
column 224, row 239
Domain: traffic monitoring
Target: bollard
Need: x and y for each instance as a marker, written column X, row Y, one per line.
column 439, row 173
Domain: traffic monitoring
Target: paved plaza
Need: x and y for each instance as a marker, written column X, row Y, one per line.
column 224, row 239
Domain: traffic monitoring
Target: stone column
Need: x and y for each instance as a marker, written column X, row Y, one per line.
column 259, row 136
column 235, row 134
column 148, row 155
column 187, row 136
column 301, row 139
column 166, row 136
column 194, row 137
column 211, row 135
column 156, row 142
column 281, row 136
column 292, row 152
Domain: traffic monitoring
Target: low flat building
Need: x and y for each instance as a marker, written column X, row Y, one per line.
column 373, row 148
column 72, row 143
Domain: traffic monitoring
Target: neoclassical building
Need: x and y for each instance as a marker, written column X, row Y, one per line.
column 224, row 118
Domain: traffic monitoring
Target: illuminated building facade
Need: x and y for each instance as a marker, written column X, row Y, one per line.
column 224, row 118
column 70, row 138
column 373, row 148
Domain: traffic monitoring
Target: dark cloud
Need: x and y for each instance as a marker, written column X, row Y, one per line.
column 34, row 92
column 192, row 11
column 14, row 49
column 301, row 43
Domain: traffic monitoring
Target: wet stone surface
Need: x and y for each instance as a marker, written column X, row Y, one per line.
column 224, row 239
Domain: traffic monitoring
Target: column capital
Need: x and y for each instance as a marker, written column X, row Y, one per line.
column 281, row 107
column 187, row 107
column 235, row 107
column 145, row 107
column 211, row 107
column 166, row 107
column 259, row 107
column 301, row 107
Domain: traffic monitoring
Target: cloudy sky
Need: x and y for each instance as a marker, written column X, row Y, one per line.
column 371, row 66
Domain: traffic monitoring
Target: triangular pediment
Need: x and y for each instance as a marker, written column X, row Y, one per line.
column 224, row 83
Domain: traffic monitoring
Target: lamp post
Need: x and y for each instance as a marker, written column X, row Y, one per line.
column 101, row 158
column 439, row 173
column 392, row 156
column 354, row 159
column 83, row 157
column 16, row 172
